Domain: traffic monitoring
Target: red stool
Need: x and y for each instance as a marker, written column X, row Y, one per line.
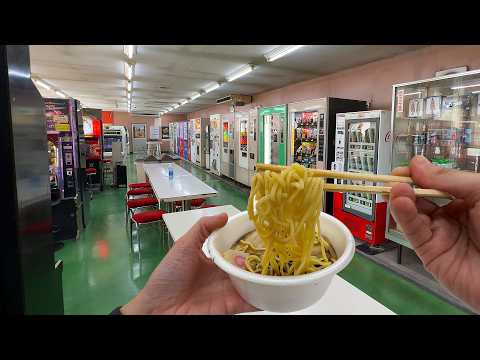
column 146, row 217
column 135, row 204
column 138, row 192
column 197, row 202
column 205, row 206
column 139, row 185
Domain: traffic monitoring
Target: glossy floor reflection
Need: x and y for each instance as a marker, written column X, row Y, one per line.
column 101, row 273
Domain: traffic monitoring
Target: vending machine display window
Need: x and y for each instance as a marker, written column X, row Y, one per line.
column 438, row 118
column 308, row 140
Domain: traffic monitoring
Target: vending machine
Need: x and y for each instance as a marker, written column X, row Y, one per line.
column 241, row 146
column 177, row 138
column 181, row 149
column 363, row 145
column 228, row 145
column 307, row 126
column 206, row 143
column 272, row 133
column 189, row 139
column 198, row 141
column 252, row 143
column 171, row 133
column 215, row 137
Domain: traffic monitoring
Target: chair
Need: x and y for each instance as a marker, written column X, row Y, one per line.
column 138, row 192
column 196, row 203
column 132, row 205
column 143, row 218
column 139, row 185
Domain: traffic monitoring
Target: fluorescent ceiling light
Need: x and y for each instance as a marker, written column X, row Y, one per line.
column 128, row 70
column 243, row 71
column 464, row 86
column 281, row 52
column 42, row 84
column 129, row 50
column 476, row 92
column 184, row 102
column 129, row 95
column 413, row 93
column 59, row 93
column 197, row 95
column 176, row 106
column 211, row 88
column 129, row 86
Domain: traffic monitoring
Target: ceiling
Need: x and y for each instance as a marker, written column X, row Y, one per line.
column 169, row 74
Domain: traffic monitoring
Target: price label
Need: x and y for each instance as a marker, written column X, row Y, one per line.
column 400, row 94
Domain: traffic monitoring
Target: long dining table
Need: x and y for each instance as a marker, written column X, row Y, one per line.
column 182, row 187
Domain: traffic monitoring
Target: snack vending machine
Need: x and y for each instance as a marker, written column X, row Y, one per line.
column 171, row 132
column 228, row 146
column 307, row 124
column 241, row 147
column 438, row 118
column 363, row 145
column 215, row 143
column 252, row 143
column 272, row 133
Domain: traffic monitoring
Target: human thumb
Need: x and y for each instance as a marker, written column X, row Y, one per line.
column 461, row 184
column 202, row 229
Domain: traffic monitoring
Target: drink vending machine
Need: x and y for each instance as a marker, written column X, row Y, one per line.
column 252, row 143
column 363, row 145
column 215, row 143
column 189, row 139
column 307, row 124
column 241, row 147
column 228, row 145
column 198, row 141
column 206, row 143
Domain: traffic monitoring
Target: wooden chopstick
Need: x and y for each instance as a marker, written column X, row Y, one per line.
column 361, row 176
column 343, row 174
column 383, row 190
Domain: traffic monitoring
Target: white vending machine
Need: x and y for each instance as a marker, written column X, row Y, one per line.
column 198, row 141
column 215, row 143
column 241, row 146
column 228, row 145
column 252, row 143
column 206, row 143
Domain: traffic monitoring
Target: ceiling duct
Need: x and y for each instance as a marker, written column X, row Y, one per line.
column 235, row 100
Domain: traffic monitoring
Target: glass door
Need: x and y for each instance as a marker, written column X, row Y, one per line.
column 307, row 139
column 361, row 157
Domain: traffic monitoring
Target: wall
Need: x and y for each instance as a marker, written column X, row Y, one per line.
column 372, row 82
column 127, row 119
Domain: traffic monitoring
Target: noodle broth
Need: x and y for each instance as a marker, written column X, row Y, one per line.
column 247, row 253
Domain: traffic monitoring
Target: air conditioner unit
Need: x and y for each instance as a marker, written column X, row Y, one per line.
column 236, row 100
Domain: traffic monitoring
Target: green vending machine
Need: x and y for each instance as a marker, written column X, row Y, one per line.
column 272, row 135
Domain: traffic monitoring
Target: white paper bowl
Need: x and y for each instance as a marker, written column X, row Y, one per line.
column 280, row 293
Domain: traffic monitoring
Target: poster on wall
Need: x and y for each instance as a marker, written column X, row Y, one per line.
column 57, row 111
column 154, row 133
column 139, row 131
column 165, row 133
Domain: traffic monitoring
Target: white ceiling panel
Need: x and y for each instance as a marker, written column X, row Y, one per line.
column 168, row 74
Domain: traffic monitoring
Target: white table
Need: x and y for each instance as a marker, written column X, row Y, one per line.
column 180, row 222
column 341, row 298
column 183, row 187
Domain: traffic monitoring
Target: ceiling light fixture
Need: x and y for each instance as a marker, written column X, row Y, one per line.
column 281, row 52
column 197, row 95
column 129, row 50
column 464, row 86
column 128, row 70
column 129, row 86
column 129, row 95
column 476, row 92
column 211, row 88
column 42, row 84
column 242, row 72
column 59, row 93
column 184, row 102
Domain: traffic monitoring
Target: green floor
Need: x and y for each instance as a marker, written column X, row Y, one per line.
column 100, row 273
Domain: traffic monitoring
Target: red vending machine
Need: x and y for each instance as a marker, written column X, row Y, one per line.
column 362, row 145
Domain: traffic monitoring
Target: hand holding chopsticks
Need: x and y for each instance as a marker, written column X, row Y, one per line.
column 364, row 177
